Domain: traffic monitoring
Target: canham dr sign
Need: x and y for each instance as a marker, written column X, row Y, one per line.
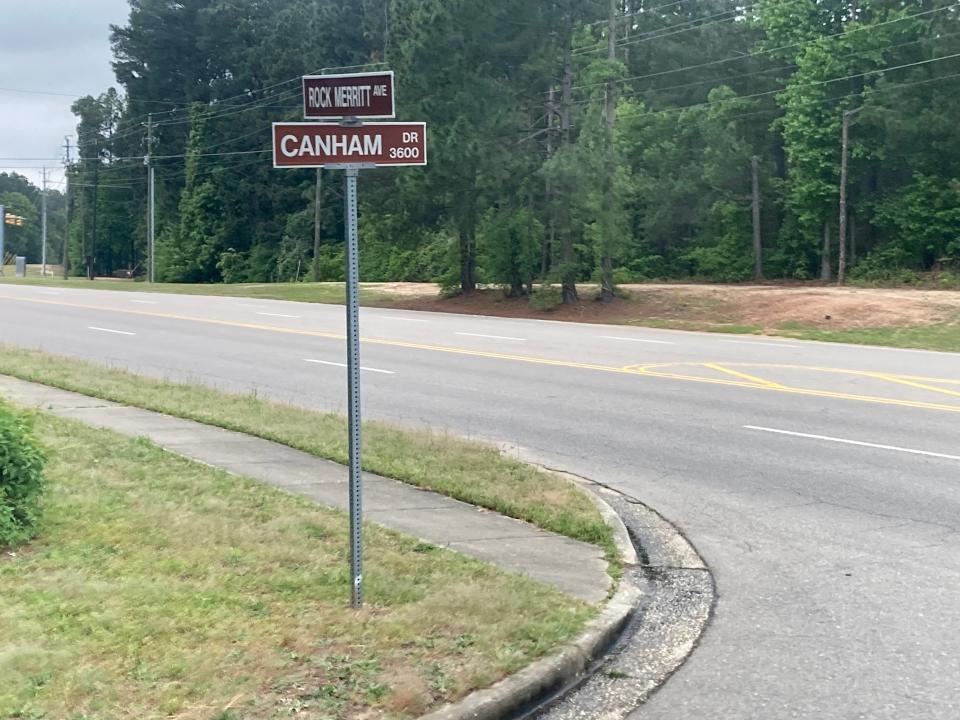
column 310, row 145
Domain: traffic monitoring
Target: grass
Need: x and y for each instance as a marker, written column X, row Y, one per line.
column 331, row 292
column 940, row 336
column 475, row 473
column 163, row 588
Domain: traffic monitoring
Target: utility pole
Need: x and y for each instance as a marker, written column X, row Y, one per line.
column 151, row 214
column 757, row 238
column 546, row 255
column 43, row 226
column 609, row 112
column 92, row 252
column 844, row 161
column 318, row 187
column 568, row 276
column 66, row 190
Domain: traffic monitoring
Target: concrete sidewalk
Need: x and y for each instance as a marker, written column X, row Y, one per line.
column 574, row 567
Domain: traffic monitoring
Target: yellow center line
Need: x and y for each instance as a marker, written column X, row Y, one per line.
column 843, row 371
column 636, row 370
column 911, row 383
column 736, row 373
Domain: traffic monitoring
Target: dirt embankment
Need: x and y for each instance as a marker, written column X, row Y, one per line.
column 759, row 306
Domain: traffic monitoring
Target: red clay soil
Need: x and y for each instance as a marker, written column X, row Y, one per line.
column 763, row 306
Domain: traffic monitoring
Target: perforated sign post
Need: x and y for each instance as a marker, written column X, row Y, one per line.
column 352, row 146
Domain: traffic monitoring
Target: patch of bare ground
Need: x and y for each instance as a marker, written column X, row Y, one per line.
column 763, row 307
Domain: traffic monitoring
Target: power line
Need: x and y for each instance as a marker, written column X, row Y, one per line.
column 768, row 51
column 815, row 83
column 694, row 24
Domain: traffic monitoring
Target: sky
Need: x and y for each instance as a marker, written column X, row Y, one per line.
column 60, row 47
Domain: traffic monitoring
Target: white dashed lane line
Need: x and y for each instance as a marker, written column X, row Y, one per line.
column 492, row 337
column 858, row 443
column 761, row 344
column 344, row 365
column 639, row 340
column 108, row 330
column 279, row 315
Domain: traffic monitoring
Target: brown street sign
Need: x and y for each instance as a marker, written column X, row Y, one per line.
column 362, row 95
column 312, row 145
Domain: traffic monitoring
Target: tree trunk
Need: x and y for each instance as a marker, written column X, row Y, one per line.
column 757, row 238
column 569, row 275
column 468, row 282
column 826, row 271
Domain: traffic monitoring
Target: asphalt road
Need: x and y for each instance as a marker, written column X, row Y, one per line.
column 820, row 482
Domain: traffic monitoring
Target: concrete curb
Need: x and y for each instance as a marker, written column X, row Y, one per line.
column 621, row 536
column 523, row 690
column 546, row 682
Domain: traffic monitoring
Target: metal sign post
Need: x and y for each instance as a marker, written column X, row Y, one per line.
column 351, row 146
column 353, row 389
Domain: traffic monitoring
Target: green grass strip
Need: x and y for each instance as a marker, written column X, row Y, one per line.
column 160, row 588
column 475, row 473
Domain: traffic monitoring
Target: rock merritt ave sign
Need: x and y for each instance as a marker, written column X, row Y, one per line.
column 311, row 145
column 368, row 95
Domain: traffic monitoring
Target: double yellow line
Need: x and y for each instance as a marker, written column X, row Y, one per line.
column 649, row 370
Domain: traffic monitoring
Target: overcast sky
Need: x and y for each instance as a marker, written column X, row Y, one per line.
column 50, row 46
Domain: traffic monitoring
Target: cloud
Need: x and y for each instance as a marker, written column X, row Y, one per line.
column 50, row 46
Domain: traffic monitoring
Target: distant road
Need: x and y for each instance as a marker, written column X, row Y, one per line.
column 821, row 482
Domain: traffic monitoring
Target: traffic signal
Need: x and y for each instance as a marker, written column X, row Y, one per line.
column 11, row 219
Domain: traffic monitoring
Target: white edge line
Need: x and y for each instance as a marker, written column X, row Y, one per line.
column 402, row 319
column 344, row 365
column 762, row 344
column 108, row 330
column 639, row 340
column 492, row 337
column 852, row 442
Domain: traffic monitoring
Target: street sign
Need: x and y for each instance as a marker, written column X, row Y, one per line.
column 313, row 145
column 365, row 95
column 351, row 146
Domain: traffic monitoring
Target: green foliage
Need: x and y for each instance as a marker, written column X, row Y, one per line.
column 923, row 220
column 509, row 247
column 728, row 259
column 332, row 262
column 653, row 198
column 888, row 264
column 545, row 298
column 21, row 478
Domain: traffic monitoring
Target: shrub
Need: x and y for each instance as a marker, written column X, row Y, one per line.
column 21, row 479
column 546, row 297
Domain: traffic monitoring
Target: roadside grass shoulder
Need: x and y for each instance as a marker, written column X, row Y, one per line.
column 164, row 588
column 471, row 472
column 941, row 336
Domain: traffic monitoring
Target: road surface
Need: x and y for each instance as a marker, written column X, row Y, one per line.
column 821, row 482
